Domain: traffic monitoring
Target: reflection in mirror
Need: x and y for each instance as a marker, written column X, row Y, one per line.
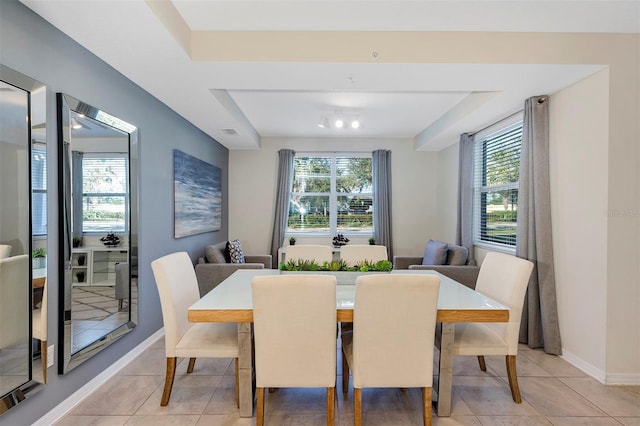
column 98, row 229
column 22, row 290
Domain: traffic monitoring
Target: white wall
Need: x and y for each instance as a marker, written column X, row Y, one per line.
column 252, row 181
column 447, row 193
column 579, row 126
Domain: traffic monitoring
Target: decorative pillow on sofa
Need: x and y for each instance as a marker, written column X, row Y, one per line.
column 435, row 253
column 216, row 253
column 457, row 255
column 235, row 251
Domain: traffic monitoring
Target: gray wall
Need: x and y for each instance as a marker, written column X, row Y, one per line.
column 33, row 47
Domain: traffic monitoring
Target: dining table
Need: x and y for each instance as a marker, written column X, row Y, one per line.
column 231, row 301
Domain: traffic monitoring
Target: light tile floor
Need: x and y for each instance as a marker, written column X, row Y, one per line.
column 554, row 393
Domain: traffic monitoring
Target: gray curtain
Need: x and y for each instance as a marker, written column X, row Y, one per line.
column 464, row 229
column 283, row 193
column 539, row 327
column 382, row 199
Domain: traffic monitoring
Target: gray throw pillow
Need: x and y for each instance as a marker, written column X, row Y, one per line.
column 457, row 255
column 235, row 251
column 214, row 254
column 435, row 253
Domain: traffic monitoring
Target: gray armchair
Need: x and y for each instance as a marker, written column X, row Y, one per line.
column 214, row 267
column 454, row 265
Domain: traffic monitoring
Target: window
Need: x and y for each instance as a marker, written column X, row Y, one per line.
column 495, row 187
column 39, row 189
column 331, row 194
column 105, row 193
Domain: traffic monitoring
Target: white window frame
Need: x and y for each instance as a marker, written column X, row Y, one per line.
column 125, row 194
column 333, row 197
column 495, row 130
column 39, row 210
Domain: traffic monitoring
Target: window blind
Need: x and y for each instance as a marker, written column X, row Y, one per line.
column 331, row 193
column 496, row 174
column 39, row 190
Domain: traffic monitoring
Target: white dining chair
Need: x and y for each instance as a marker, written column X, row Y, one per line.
column 391, row 345
column 358, row 253
column 318, row 253
column 39, row 329
column 5, row 251
column 178, row 289
column 504, row 278
column 294, row 320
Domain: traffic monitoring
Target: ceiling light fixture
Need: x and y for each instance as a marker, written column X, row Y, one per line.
column 339, row 123
column 355, row 124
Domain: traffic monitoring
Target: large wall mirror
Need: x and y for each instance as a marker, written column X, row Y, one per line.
column 98, row 229
column 23, row 231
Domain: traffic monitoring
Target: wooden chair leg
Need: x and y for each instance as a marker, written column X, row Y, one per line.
column 345, row 374
column 513, row 378
column 192, row 363
column 331, row 396
column 483, row 365
column 357, row 406
column 260, row 407
column 43, row 358
column 168, row 381
column 426, row 406
column 237, row 383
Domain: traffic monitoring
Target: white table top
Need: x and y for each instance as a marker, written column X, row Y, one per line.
column 456, row 302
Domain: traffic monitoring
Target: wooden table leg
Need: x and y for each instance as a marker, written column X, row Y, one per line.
column 445, row 374
column 245, row 368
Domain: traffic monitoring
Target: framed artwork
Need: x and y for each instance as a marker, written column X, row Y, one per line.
column 197, row 187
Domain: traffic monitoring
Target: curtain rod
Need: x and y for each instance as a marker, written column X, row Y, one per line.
column 496, row 123
column 336, row 152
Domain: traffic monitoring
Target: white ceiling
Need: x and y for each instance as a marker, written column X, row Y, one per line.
column 427, row 103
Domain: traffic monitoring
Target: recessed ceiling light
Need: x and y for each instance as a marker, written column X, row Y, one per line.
column 339, row 123
column 355, row 124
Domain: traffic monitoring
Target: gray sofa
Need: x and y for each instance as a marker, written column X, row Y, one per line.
column 455, row 265
column 215, row 266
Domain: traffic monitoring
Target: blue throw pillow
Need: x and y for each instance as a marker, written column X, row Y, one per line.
column 435, row 253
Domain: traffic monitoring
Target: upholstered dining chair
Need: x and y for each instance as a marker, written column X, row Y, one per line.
column 5, row 251
column 294, row 320
column 391, row 345
column 354, row 254
column 319, row 253
column 503, row 278
column 178, row 289
column 39, row 329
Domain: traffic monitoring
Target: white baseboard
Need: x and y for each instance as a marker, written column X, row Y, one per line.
column 74, row 399
column 588, row 368
column 600, row 375
column 623, row 379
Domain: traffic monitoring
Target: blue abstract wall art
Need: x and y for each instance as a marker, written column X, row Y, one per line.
column 197, row 195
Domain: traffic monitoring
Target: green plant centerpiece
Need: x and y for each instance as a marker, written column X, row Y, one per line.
column 39, row 258
column 372, row 241
column 341, row 265
column 38, row 253
column 292, row 241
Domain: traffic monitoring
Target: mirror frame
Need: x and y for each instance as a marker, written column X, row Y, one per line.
column 65, row 104
column 30, row 387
